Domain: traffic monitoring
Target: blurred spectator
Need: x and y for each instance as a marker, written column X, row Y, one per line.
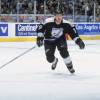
column 80, row 8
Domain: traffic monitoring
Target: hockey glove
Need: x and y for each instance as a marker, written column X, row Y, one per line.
column 39, row 41
column 80, row 43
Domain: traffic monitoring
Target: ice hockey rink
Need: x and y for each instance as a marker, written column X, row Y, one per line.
column 30, row 76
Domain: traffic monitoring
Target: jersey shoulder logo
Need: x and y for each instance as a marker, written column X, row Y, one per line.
column 40, row 26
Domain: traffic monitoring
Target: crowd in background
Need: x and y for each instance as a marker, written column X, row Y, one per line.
column 81, row 7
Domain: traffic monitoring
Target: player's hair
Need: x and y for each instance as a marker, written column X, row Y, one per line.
column 58, row 12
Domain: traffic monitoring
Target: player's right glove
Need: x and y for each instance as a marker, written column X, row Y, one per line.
column 80, row 43
column 40, row 41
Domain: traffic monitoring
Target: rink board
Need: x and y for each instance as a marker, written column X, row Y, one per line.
column 18, row 32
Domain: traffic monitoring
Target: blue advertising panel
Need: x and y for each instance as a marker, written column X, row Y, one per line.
column 25, row 29
column 88, row 29
column 82, row 28
column 3, row 29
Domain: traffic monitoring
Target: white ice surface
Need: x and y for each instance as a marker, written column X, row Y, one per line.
column 30, row 77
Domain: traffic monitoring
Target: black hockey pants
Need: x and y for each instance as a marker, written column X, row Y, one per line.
column 51, row 47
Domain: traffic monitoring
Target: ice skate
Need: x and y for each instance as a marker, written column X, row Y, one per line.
column 70, row 68
column 54, row 64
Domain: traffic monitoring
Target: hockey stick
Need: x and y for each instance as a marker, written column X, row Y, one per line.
column 17, row 57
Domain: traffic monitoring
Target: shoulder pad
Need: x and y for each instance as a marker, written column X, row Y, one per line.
column 68, row 22
column 48, row 20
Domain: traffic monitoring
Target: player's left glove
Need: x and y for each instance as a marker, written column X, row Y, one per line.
column 40, row 41
column 80, row 43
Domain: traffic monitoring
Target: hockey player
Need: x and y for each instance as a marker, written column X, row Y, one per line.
column 53, row 32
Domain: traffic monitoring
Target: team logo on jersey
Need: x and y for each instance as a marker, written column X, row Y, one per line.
column 57, row 32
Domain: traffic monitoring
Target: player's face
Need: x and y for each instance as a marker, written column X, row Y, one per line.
column 58, row 18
